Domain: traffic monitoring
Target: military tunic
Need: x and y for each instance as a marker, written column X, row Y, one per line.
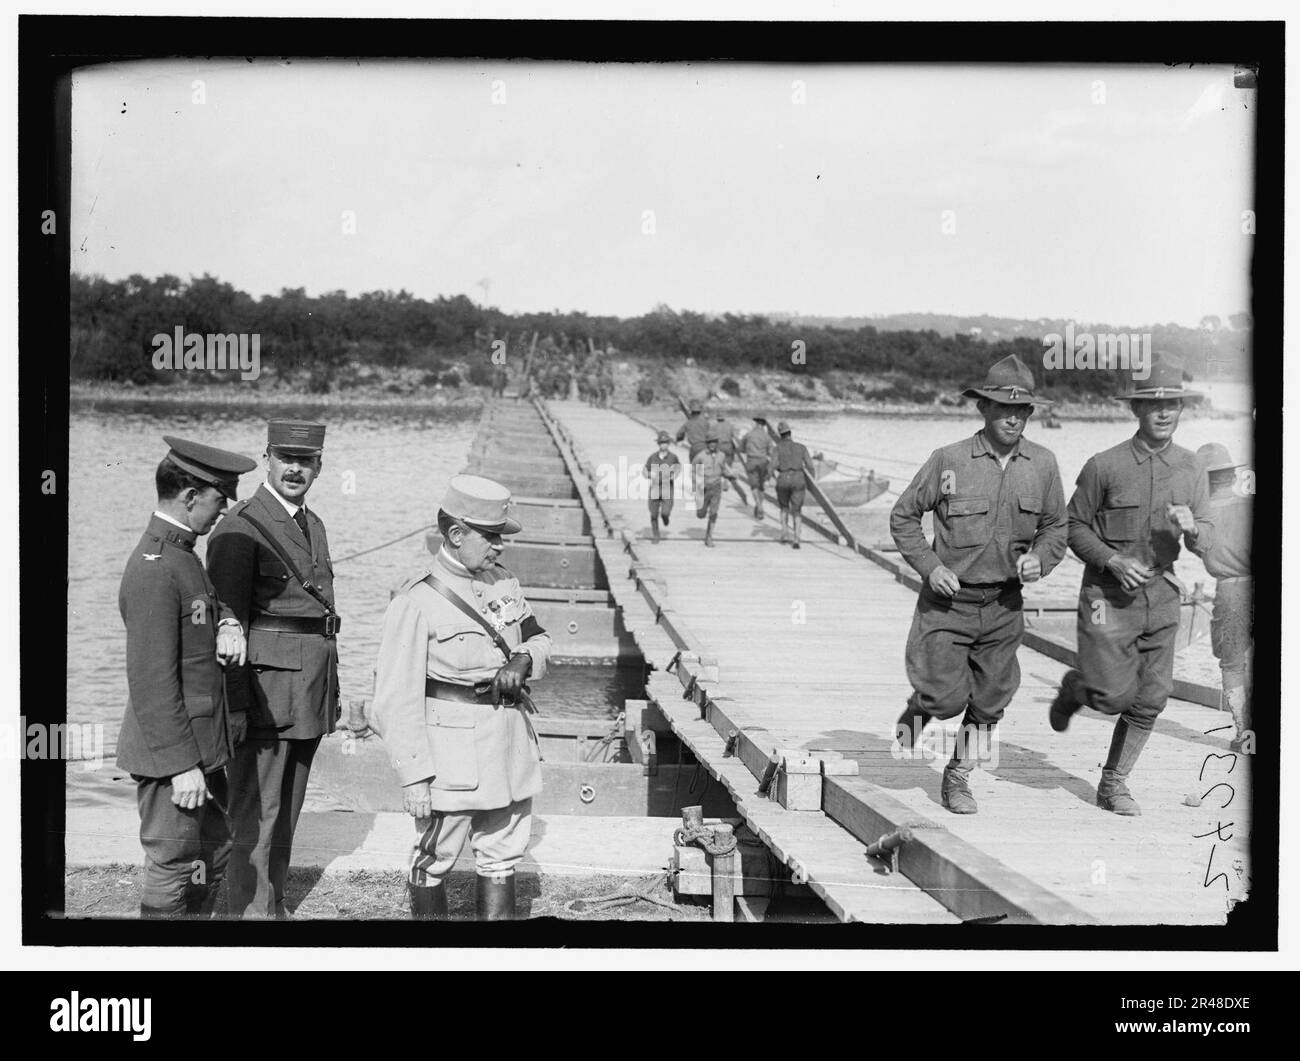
column 481, row 761
column 962, row 649
column 693, row 431
column 289, row 688
column 175, row 717
column 1126, row 639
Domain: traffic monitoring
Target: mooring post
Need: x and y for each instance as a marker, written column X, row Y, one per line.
column 724, row 879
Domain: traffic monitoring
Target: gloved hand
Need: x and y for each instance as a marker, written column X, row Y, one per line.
column 238, row 727
column 416, row 799
column 509, row 680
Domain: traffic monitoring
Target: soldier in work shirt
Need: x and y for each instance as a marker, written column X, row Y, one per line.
column 694, row 430
column 756, row 450
column 793, row 468
column 175, row 736
column 999, row 522
column 662, row 468
column 459, row 641
column 270, row 562
column 1131, row 505
column 710, row 468
column 1232, row 623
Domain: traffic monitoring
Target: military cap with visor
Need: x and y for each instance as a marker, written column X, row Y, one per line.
column 480, row 503
column 300, row 437
column 219, row 467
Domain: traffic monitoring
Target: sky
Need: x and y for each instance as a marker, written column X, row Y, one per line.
column 1100, row 193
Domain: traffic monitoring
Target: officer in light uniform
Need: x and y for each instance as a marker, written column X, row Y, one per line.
column 1132, row 505
column 175, row 736
column 452, row 708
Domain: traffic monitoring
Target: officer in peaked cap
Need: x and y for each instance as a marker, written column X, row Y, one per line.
column 459, row 642
column 1133, row 505
column 999, row 522
column 175, row 735
column 270, row 562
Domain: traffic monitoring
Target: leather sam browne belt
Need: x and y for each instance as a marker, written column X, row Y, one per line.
column 324, row 626
column 465, row 694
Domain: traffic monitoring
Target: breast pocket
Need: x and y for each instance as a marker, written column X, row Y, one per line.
column 460, row 648
column 451, row 728
column 1029, row 510
column 968, row 521
column 1118, row 519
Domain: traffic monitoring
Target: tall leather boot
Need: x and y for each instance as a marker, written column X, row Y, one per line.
column 1125, row 748
column 495, row 898
column 428, row 903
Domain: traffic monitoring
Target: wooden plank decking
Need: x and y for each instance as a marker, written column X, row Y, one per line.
column 801, row 654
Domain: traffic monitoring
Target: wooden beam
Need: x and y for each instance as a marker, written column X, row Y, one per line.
column 967, row 881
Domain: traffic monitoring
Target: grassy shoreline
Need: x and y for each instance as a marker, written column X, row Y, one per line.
column 469, row 400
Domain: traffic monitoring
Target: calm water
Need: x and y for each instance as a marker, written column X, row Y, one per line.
column 383, row 476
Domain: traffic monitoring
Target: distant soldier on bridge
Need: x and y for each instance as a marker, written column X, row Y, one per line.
column 756, row 449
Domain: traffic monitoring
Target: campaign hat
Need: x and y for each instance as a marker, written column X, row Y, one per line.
column 1164, row 380
column 483, row 504
column 219, row 467
column 1008, row 381
column 782, row 428
column 695, row 406
column 305, row 437
column 712, row 435
column 663, row 436
column 1214, row 457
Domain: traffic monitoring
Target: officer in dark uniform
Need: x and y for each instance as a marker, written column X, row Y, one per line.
column 1131, row 505
column 999, row 521
column 175, row 734
column 459, row 641
column 270, row 562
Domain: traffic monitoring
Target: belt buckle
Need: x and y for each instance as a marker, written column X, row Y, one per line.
column 332, row 624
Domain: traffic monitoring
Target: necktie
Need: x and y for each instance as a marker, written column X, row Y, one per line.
column 300, row 518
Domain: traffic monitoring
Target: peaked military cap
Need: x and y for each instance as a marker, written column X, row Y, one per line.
column 483, row 504
column 296, row 436
column 1164, row 380
column 1008, row 381
column 219, row 467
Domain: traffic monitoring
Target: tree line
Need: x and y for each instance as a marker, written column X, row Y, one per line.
column 311, row 340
